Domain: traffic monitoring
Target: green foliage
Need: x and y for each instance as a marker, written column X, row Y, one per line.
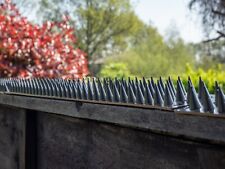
column 113, row 70
column 209, row 76
column 102, row 26
column 150, row 56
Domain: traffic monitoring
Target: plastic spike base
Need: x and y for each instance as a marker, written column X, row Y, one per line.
column 133, row 91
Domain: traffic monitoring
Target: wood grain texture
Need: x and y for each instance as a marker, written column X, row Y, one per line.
column 83, row 144
column 199, row 128
column 12, row 138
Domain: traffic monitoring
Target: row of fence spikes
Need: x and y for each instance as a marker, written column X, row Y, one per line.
column 144, row 92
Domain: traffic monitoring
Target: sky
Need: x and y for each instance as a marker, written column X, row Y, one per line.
column 171, row 13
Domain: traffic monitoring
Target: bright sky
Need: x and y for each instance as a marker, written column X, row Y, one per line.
column 163, row 13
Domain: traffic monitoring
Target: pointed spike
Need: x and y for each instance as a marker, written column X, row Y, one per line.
column 90, row 93
column 102, row 92
column 79, row 91
column 84, row 90
column 182, row 85
column 207, row 103
column 75, row 92
column 160, row 88
column 157, row 97
column 142, row 86
column 131, row 95
column 136, row 80
column 151, row 87
column 193, row 101
column 180, row 96
column 189, row 80
column 116, row 93
column 221, row 101
column 139, row 95
column 109, row 94
column 149, row 97
column 168, row 99
column 134, row 87
column 123, row 94
column 96, row 91
column 144, row 82
column 63, row 89
column 170, row 90
column 200, row 89
column 172, row 85
column 161, row 83
column 216, row 93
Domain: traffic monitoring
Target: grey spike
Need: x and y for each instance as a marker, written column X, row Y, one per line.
column 221, row 101
column 157, row 97
column 57, row 89
column 131, row 95
column 52, row 87
column 123, row 94
column 66, row 89
column 74, row 88
column 152, row 82
column 141, row 86
column 134, row 87
column 109, row 93
column 139, row 96
column 200, row 89
column 182, row 86
column 144, row 82
column 116, row 93
column 62, row 89
column 161, row 83
column 90, row 93
column 136, row 80
column 170, row 90
column 151, row 87
column 194, row 103
column 149, row 97
column 85, row 90
column 79, row 91
column 207, row 103
column 172, row 86
column 28, row 86
column 160, row 88
column 124, row 83
column 117, row 84
column 95, row 89
column 168, row 99
column 190, row 81
column 101, row 91
column 216, row 93
column 180, row 96
column 71, row 94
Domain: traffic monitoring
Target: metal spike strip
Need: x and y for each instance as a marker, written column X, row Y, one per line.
column 143, row 92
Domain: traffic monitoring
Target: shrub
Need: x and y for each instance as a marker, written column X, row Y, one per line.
column 113, row 70
column 209, row 76
column 28, row 50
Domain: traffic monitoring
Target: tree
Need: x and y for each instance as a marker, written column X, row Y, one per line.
column 150, row 55
column 213, row 16
column 103, row 26
column 29, row 50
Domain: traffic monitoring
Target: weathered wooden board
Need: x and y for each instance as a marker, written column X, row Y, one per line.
column 12, row 138
column 195, row 126
column 71, row 143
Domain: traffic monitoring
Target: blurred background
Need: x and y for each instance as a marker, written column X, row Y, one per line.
column 142, row 38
